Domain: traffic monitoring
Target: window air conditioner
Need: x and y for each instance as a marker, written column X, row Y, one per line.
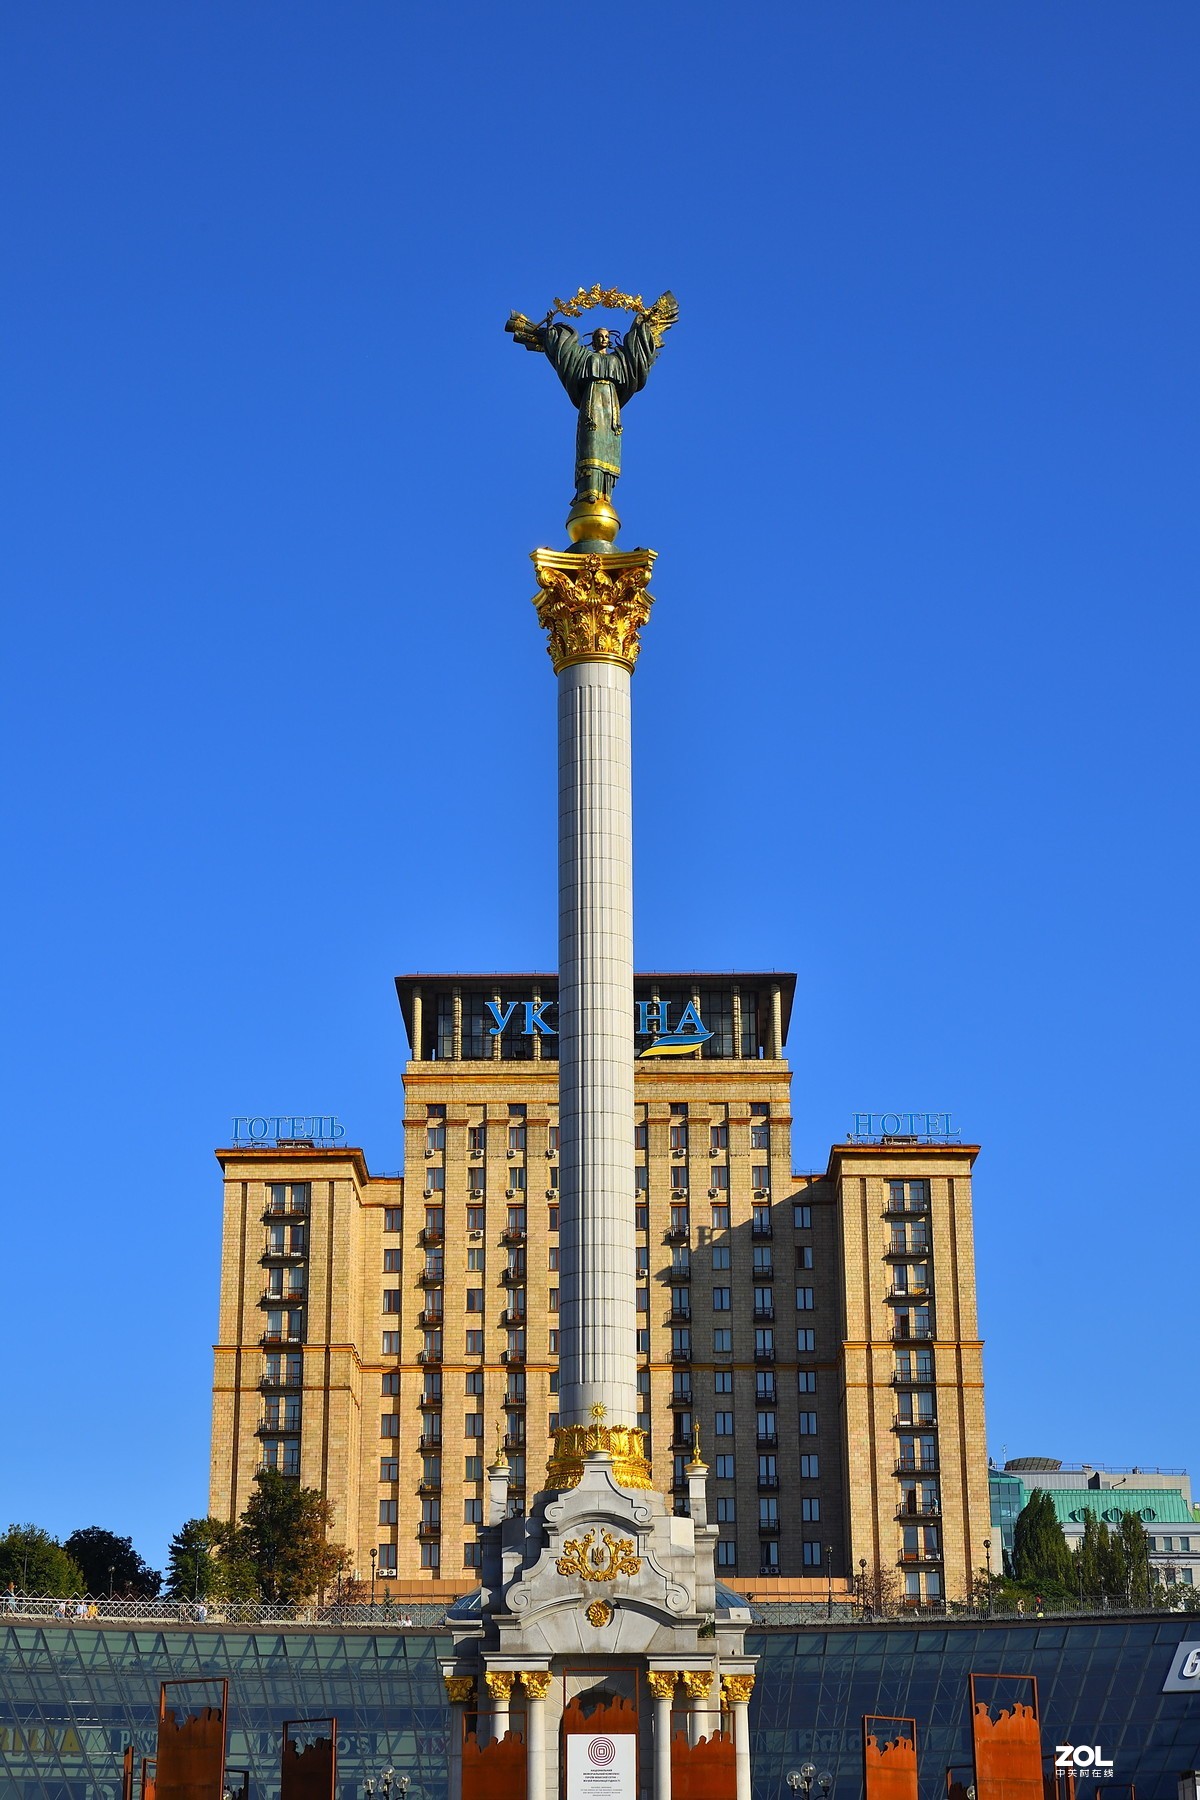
column 712, row 1193
column 509, row 1192
column 477, row 1193
column 429, row 1193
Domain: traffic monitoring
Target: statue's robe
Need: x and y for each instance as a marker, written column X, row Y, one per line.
column 599, row 382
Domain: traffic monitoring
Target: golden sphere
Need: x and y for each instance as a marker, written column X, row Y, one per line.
column 593, row 520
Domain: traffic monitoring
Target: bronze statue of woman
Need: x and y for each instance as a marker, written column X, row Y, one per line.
column 600, row 377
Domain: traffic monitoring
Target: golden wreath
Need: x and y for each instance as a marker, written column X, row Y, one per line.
column 660, row 317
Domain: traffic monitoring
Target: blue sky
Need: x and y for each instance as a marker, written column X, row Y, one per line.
column 915, row 716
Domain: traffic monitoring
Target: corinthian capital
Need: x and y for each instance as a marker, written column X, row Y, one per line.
column 737, row 1689
column 593, row 606
column 661, row 1683
column 499, row 1683
column 696, row 1683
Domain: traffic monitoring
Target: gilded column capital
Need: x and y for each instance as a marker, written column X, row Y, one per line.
column 661, row 1683
column 460, row 1689
column 499, row 1683
column 737, row 1689
column 624, row 1443
column 536, row 1682
column 696, row 1683
column 593, row 606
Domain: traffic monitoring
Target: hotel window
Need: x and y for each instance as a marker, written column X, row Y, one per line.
column 768, row 1514
column 764, row 1341
column 760, row 1109
column 808, row 1424
column 552, row 1258
column 679, row 1178
column 553, row 1346
column 640, row 1136
column 810, row 1511
column 802, row 1218
column 516, row 1217
column 726, row 1553
column 391, row 1262
column 760, row 1176
column 435, row 1178
column 720, row 1217
column 474, row 1300
column 723, row 1424
column 764, row 1262
column 553, row 1301
column 552, row 1177
column 552, row 1221
column 810, row 1555
column 681, row 1341
column 643, row 1300
column 643, row 1259
column 393, row 1218
column 810, row 1467
column 726, row 1510
column 680, row 1218
column 725, row 1467
column 908, row 1196
column 391, row 1300
column 389, row 1425
column 679, row 1136
column 722, row 1341
column 516, row 1178
column 477, row 1139
column 435, row 1137
column 476, row 1218
column 472, row 1512
column 387, row 1558
column 679, row 1109
column 804, row 1299
column 806, row 1340
column 391, row 1343
column 389, row 1512
column 552, row 1140
column 389, row 1382
column 389, row 1468
column 721, row 1256
column 643, row 1343
column 764, row 1386
column 718, row 1178
column 641, row 1183
column 473, row 1381
column 473, row 1425
column 472, row 1556
column 431, row 1556
column 475, row 1260
column 517, row 1111
column 804, row 1256
column 474, row 1345
column 806, row 1381
column 768, row 1471
column 723, row 1381
column 768, row 1557
column 516, row 1137
column 767, row 1425
column 435, row 1220
column 722, row 1299
column 760, row 1137
column 764, row 1303
column 473, row 1468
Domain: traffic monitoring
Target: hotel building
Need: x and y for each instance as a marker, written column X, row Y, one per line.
column 379, row 1334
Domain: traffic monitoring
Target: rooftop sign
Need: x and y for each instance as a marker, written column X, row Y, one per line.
column 931, row 1127
column 321, row 1128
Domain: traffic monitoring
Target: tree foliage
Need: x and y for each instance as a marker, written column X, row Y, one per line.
column 283, row 1536
column 1041, row 1558
column 33, row 1562
column 203, row 1563
column 111, row 1564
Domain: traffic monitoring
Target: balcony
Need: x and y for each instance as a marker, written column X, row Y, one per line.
column 272, row 1255
column 918, row 1559
column 430, row 1441
column 427, row 1532
column 513, row 1234
column 764, row 1356
column 771, row 1569
column 766, row 1396
column 513, row 1316
column 768, row 1528
column 679, row 1315
column 768, row 1484
column 761, row 1231
column 904, row 1209
column 912, row 1334
column 512, row 1358
column 429, row 1402
column 269, row 1298
column 289, row 1471
column 898, row 1247
column 682, row 1398
column 288, row 1426
column 924, row 1509
column 679, row 1234
column 429, row 1356
column 900, row 1423
column 762, row 1313
column 680, row 1355
column 920, row 1379
column 428, row 1486
column 513, row 1443
column 911, row 1465
column 767, row 1440
column 291, row 1209
column 908, row 1293
column 511, row 1278
column 430, row 1317
column 280, row 1337
column 276, row 1384
column 430, row 1234
column 429, row 1278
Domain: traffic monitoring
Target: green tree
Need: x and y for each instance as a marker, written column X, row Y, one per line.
column 111, row 1564
column 1041, row 1559
column 283, row 1535
column 1089, row 1571
column 204, row 1563
column 33, row 1562
column 1139, row 1580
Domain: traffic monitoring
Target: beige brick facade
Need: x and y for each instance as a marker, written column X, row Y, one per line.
column 423, row 1312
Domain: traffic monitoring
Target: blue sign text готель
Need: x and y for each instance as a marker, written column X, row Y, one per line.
column 869, row 1128
column 323, row 1129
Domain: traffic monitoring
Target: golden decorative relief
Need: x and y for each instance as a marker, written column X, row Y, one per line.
column 696, row 1683
column 459, row 1689
column 662, row 1683
column 737, row 1689
column 598, row 1613
column 583, row 300
column 593, row 606
column 602, row 1561
column 624, row 1443
column 499, row 1683
column 536, row 1682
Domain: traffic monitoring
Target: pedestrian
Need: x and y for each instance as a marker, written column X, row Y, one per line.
column 10, row 1598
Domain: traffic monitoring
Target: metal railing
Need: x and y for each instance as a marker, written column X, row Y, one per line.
column 186, row 1614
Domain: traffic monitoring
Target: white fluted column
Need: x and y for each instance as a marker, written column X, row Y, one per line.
column 499, row 1683
column 537, row 1686
column 662, row 1688
column 597, row 1320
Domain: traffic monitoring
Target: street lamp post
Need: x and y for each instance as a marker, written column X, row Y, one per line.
column 385, row 1784
column 829, row 1581
column 987, row 1546
column 374, row 1554
column 862, row 1585
column 801, row 1780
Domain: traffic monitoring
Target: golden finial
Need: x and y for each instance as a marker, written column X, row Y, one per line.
column 696, row 1457
column 501, row 1461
